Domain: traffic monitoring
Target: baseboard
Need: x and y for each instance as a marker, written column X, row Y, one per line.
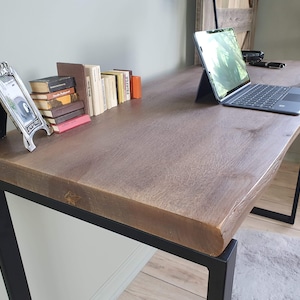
column 123, row 276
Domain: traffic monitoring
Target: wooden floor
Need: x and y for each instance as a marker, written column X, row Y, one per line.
column 167, row 277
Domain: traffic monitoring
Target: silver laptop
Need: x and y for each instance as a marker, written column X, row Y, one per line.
column 226, row 77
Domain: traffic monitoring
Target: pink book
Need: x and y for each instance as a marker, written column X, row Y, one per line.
column 67, row 125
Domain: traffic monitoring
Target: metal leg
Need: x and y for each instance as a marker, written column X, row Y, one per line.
column 221, row 273
column 290, row 219
column 10, row 260
column 221, row 268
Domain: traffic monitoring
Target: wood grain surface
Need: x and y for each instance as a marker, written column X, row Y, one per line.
column 184, row 171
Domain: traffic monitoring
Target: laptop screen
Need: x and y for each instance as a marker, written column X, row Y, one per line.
column 222, row 58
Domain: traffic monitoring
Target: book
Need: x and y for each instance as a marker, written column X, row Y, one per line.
column 110, row 90
column 53, row 95
column 65, row 117
column 63, row 109
column 89, row 95
column 127, row 77
column 119, row 84
column 136, row 87
column 51, row 84
column 79, row 72
column 49, row 104
column 72, row 123
column 104, row 94
column 94, row 72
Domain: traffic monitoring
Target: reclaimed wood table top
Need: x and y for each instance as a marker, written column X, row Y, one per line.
column 187, row 172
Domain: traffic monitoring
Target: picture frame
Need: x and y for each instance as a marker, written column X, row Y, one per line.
column 19, row 106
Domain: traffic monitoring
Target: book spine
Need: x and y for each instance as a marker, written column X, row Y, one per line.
column 100, row 88
column 61, row 84
column 63, row 118
column 127, row 85
column 93, row 73
column 72, row 123
column 49, row 96
column 89, row 96
column 104, row 95
column 136, row 87
column 127, row 82
column 49, row 104
column 114, row 97
column 107, row 89
column 62, row 110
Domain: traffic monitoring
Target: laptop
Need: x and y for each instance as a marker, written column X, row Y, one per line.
column 227, row 79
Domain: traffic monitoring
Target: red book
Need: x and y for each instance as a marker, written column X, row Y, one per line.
column 136, row 87
column 67, row 125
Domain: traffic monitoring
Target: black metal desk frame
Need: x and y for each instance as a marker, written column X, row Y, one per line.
column 221, row 268
column 290, row 219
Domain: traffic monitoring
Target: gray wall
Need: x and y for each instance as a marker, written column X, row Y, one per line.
column 278, row 35
column 278, row 29
column 65, row 258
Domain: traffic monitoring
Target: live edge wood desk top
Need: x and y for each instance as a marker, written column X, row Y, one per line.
column 183, row 171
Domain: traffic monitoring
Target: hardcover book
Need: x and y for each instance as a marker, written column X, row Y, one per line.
column 53, row 95
column 94, row 72
column 104, row 94
column 63, row 109
column 72, row 123
column 136, row 87
column 89, row 95
column 49, row 104
column 79, row 72
column 65, row 117
column 126, row 79
column 52, row 84
column 110, row 90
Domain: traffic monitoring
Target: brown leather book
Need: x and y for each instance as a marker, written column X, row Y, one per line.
column 62, row 110
column 79, row 73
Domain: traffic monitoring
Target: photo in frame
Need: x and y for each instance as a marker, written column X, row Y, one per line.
column 17, row 103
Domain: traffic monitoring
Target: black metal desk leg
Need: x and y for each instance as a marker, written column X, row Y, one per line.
column 221, row 273
column 290, row 219
column 10, row 260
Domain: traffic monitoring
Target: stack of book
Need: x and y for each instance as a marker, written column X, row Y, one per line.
column 127, row 85
column 58, row 102
column 101, row 90
column 91, row 86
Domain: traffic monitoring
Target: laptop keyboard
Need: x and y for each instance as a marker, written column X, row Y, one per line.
column 261, row 96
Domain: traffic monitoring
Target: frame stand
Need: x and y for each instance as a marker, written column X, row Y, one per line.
column 3, row 122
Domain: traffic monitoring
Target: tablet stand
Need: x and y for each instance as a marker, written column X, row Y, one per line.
column 205, row 92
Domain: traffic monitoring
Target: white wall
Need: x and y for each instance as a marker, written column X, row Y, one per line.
column 64, row 258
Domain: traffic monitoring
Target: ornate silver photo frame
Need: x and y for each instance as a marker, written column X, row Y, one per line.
column 18, row 104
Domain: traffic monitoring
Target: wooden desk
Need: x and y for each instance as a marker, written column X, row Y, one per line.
column 164, row 170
